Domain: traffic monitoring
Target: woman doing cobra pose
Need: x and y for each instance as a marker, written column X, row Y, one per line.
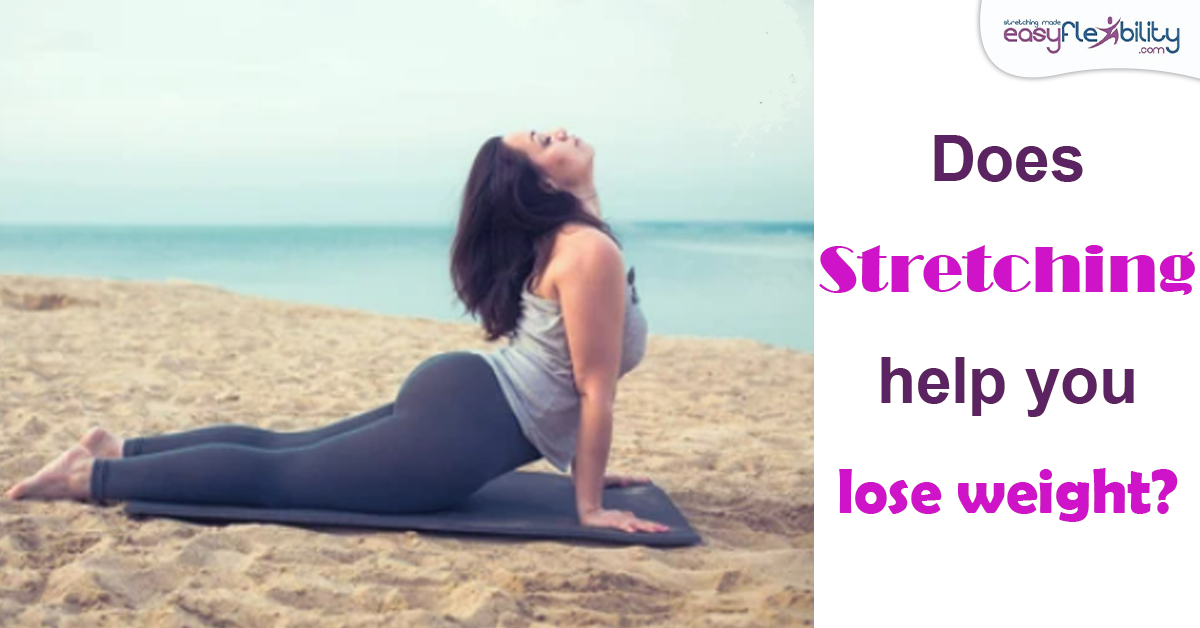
column 535, row 262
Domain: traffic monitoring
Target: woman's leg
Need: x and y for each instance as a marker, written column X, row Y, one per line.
column 451, row 432
column 248, row 436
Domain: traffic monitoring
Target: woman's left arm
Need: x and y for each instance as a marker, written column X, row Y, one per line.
column 589, row 291
column 592, row 296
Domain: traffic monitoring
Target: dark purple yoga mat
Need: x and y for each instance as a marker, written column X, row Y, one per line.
column 525, row 505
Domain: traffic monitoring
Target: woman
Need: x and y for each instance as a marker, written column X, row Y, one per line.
column 532, row 259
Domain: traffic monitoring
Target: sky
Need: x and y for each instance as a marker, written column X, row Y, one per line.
column 304, row 112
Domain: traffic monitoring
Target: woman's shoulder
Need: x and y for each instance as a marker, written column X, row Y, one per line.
column 577, row 242
column 580, row 252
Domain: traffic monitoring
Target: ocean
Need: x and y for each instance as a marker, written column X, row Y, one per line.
column 724, row 280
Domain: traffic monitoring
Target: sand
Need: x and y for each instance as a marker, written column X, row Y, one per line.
column 724, row 426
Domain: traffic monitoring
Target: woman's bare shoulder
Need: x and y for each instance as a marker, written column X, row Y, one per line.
column 581, row 252
column 578, row 243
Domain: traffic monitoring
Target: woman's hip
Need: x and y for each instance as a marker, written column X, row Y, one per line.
column 452, row 377
column 456, row 401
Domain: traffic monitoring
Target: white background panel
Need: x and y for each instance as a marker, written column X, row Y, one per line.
column 890, row 77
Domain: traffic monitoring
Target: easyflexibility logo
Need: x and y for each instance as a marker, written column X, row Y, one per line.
column 1146, row 36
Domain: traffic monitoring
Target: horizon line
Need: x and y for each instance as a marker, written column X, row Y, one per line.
column 383, row 224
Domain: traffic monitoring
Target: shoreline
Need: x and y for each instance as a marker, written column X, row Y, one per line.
column 184, row 281
column 723, row 425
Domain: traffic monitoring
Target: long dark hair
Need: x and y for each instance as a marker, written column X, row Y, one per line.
column 506, row 233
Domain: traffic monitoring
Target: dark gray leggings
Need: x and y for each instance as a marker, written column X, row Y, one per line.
column 449, row 431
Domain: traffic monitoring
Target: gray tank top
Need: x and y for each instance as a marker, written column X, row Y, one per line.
column 536, row 375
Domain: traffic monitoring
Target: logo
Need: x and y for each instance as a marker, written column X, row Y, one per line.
column 1147, row 37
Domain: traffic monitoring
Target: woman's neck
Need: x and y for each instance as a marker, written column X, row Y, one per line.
column 589, row 198
column 592, row 205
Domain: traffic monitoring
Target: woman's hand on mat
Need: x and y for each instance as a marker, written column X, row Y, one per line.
column 621, row 520
column 624, row 480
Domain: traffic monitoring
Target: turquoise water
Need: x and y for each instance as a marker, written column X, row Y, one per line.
column 752, row 280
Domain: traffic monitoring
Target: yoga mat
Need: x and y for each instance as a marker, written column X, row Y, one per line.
column 517, row 504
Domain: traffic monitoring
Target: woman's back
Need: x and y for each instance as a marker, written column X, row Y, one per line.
column 535, row 369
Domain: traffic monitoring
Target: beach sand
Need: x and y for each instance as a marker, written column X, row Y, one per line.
column 724, row 426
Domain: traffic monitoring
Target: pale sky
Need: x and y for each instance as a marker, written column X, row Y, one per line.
column 293, row 112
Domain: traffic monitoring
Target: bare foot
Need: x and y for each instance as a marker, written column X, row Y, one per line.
column 69, row 476
column 102, row 444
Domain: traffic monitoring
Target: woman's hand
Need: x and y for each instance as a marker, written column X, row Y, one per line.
column 621, row 520
column 624, row 480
